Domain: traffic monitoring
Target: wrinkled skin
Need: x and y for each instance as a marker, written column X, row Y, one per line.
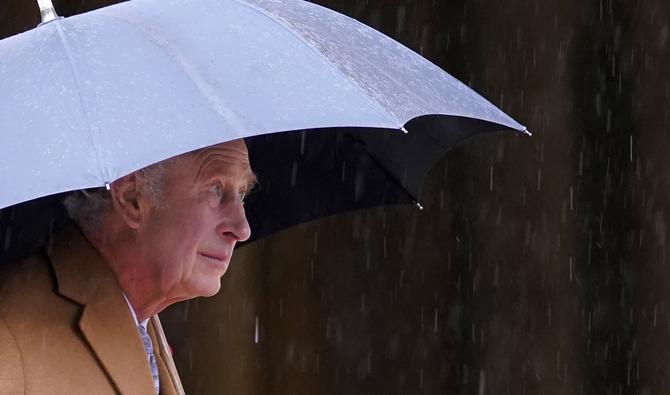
column 180, row 249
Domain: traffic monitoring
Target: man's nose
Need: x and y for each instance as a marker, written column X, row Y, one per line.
column 236, row 224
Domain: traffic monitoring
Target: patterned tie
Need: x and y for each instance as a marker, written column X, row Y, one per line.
column 150, row 353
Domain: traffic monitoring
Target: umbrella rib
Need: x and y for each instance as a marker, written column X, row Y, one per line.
column 368, row 95
column 216, row 103
column 93, row 133
column 384, row 170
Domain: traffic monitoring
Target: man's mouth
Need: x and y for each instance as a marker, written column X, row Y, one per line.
column 220, row 258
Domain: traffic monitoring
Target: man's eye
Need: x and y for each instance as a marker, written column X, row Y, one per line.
column 217, row 190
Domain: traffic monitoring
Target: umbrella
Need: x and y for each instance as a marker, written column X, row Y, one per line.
column 90, row 98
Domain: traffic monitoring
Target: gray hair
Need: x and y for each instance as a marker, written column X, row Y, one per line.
column 87, row 206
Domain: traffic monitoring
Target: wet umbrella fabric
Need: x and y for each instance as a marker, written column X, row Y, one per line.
column 90, row 98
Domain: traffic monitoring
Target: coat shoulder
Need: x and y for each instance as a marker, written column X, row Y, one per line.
column 11, row 367
column 26, row 285
column 41, row 336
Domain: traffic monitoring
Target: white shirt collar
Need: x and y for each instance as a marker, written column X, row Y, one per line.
column 132, row 312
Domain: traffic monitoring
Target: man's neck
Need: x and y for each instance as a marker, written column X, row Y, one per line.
column 144, row 322
column 117, row 250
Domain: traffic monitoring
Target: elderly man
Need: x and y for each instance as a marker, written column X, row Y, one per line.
column 80, row 317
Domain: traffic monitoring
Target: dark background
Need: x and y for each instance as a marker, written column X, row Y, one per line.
column 539, row 265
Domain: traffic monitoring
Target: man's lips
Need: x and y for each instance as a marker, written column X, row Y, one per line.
column 217, row 257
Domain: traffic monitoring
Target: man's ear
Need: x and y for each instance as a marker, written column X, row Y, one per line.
column 126, row 199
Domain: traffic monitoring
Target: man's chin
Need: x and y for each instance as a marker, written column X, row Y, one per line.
column 209, row 289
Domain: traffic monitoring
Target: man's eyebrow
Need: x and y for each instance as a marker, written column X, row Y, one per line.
column 251, row 180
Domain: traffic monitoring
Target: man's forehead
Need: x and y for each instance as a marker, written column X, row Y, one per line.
column 229, row 158
column 234, row 149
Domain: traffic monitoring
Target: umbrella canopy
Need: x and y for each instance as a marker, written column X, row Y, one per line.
column 87, row 99
column 90, row 98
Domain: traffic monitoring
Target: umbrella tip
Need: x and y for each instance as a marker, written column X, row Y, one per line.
column 107, row 186
column 47, row 11
column 527, row 132
column 404, row 130
column 418, row 205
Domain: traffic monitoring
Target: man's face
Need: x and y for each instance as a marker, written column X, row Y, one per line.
column 186, row 244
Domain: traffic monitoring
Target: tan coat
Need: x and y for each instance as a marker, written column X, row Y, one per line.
column 65, row 328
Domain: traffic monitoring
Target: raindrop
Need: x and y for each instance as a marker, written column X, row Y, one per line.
column 663, row 37
column 570, row 269
column 600, row 11
column 482, row 382
column 590, row 246
column 289, row 353
column 491, row 180
column 400, row 21
column 8, row 236
column 294, row 173
column 256, row 339
column 655, row 314
column 421, row 317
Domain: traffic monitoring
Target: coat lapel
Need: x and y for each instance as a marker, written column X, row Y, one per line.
column 169, row 378
column 106, row 322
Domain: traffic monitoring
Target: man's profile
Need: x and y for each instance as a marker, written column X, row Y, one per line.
column 80, row 316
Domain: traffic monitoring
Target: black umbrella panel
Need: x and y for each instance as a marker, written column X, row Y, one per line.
column 303, row 175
